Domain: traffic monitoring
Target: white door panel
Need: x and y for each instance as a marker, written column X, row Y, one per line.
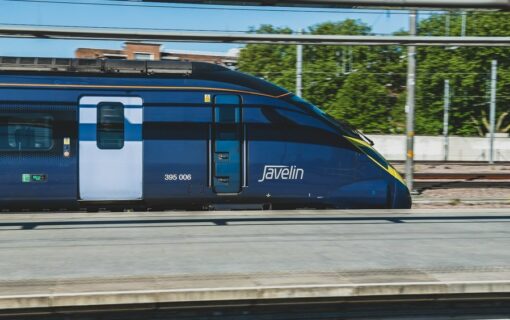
column 111, row 174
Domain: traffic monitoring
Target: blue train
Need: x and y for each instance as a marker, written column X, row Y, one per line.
column 77, row 133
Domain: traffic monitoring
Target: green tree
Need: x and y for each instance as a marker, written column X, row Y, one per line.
column 467, row 68
column 275, row 63
column 364, row 92
column 367, row 85
column 327, row 68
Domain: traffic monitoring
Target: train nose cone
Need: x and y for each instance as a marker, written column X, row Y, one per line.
column 402, row 198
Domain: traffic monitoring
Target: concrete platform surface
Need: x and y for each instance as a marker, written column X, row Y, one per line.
column 68, row 259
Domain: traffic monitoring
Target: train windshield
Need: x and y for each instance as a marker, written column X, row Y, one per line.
column 346, row 128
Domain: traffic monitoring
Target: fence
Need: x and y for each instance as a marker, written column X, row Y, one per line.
column 431, row 148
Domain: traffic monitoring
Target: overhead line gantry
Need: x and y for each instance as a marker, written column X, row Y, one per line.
column 452, row 4
column 92, row 33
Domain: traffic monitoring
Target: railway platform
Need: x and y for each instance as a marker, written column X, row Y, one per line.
column 59, row 265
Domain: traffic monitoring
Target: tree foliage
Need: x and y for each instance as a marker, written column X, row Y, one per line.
column 366, row 85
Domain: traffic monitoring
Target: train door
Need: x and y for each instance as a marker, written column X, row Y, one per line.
column 110, row 148
column 226, row 146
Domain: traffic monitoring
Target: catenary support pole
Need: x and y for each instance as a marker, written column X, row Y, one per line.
column 447, row 23
column 411, row 81
column 445, row 118
column 463, row 25
column 494, row 79
column 299, row 69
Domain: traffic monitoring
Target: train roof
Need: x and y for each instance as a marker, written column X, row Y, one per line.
column 33, row 64
column 160, row 68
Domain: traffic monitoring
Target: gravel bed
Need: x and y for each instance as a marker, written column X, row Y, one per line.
column 458, row 198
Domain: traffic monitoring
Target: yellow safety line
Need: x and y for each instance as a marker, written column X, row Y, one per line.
column 390, row 169
column 93, row 86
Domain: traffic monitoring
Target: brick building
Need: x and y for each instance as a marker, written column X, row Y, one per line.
column 153, row 51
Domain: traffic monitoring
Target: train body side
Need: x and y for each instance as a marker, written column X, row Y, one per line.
column 283, row 154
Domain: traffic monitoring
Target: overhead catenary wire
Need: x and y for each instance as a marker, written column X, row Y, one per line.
column 415, row 4
column 376, row 73
column 128, row 3
column 420, row 97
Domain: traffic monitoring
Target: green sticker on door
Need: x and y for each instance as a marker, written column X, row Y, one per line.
column 30, row 177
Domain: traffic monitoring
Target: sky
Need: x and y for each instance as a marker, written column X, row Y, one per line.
column 125, row 14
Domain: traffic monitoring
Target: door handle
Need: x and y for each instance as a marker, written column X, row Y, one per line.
column 222, row 155
column 225, row 180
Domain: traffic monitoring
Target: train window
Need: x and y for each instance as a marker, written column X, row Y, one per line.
column 26, row 132
column 227, row 109
column 226, row 114
column 110, row 125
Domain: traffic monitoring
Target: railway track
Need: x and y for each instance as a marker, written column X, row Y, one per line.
column 451, row 180
column 458, row 174
column 461, row 176
column 460, row 163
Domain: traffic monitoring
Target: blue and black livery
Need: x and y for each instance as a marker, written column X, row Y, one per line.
column 80, row 133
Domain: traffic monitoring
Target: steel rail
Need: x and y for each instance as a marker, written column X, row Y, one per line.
column 454, row 180
column 461, row 176
column 22, row 31
column 421, row 185
column 481, row 4
column 451, row 163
